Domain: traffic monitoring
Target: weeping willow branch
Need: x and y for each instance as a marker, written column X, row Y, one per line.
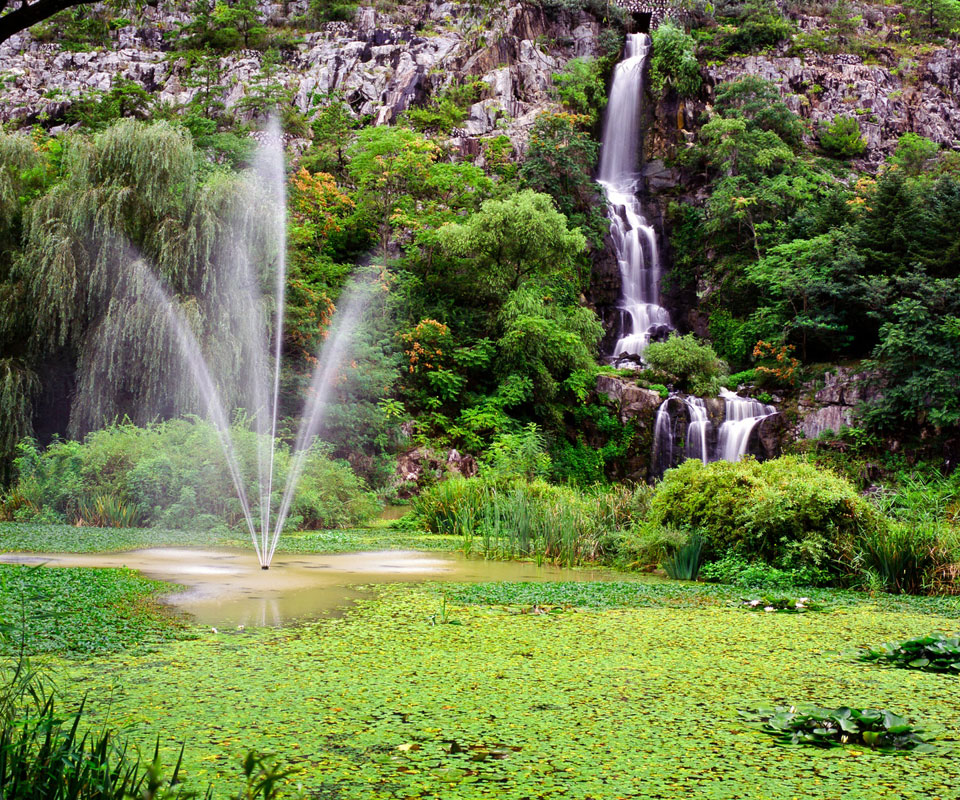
column 18, row 386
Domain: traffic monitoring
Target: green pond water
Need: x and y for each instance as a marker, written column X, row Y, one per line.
column 226, row 587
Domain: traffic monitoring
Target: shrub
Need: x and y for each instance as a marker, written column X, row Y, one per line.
column 690, row 365
column 684, row 563
column 786, row 511
column 173, row 474
column 530, row 519
column 738, row 571
column 904, row 555
column 674, row 61
column 841, row 138
column 581, row 87
column 933, row 653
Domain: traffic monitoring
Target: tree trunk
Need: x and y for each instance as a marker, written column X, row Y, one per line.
column 28, row 15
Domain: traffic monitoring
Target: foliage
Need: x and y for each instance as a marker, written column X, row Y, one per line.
column 932, row 653
column 689, row 364
column 173, row 474
column 785, row 511
column 788, row 605
column 673, row 64
column 684, row 563
column 904, row 556
column 511, row 241
column 581, row 87
column 751, row 25
column 914, row 152
column 447, row 109
column 78, row 612
column 559, row 161
column 738, row 571
column 831, row 727
column 322, row 11
column 518, row 455
column 842, row 138
column 380, row 692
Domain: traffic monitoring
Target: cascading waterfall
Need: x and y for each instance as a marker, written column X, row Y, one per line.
column 741, row 415
column 634, row 240
column 696, row 444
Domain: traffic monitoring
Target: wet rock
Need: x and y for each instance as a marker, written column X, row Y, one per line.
column 771, row 433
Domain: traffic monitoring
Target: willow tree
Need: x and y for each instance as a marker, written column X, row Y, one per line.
column 135, row 210
column 19, row 161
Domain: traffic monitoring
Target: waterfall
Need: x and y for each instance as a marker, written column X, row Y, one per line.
column 741, row 415
column 663, row 439
column 634, row 241
column 696, row 444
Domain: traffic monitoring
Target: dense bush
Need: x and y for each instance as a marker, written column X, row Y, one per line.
column 172, row 474
column 842, row 137
column 786, row 511
column 673, row 63
column 690, row 365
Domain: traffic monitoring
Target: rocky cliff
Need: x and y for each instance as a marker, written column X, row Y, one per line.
column 380, row 63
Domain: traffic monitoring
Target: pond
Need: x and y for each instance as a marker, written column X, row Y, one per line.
column 226, row 587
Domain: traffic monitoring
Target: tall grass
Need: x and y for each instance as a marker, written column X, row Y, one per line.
column 684, row 563
column 528, row 519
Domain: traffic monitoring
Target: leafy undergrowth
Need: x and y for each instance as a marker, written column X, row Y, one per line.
column 73, row 611
column 354, row 540
column 933, row 653
column 622, row 703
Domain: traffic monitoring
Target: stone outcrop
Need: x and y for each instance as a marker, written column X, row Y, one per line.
column 833, row 405
column 380, row 64
column 630, row 400
column 422, row 466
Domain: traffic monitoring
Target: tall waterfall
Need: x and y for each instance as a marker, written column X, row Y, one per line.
column 634, row 241
column 696, row 444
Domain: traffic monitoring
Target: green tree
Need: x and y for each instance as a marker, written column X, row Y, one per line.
column 511, row 241
column 692, row 365
column 581, row 87
column 842, row 137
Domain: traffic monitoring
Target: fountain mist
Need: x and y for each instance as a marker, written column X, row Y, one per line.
column 261, row 373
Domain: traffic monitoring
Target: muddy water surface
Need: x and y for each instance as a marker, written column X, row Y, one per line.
column 227, row 587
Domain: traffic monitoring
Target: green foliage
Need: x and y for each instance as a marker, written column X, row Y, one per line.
column 223, row 27
column 938, row 16
column 786, row 605
column 322, row 11
column 832, row 727
column 736, row 570
column 688, row 364
column 581, row 87
column 98, row 109
column 519, row 455
column 751, row 25
column 673, row 64
column 559, row 160
column 684, row 563
column 529, row 518
column 81, row 611
column 914, row 153
column 932, row 653
column 173, row 474
column 904, row 556
column 521, row 238
column 785, row 511
column 841, row 138
column 448, row 109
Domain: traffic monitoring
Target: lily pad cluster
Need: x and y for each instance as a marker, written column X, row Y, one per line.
column 933, row 653
column 792, row 605
column 876, row 728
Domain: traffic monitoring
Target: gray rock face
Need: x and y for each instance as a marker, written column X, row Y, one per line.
column 629, row 399
column 380, row 64
column 819, row 87
column 834, row 405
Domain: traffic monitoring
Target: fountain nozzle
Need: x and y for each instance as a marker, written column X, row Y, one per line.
column 265, row 566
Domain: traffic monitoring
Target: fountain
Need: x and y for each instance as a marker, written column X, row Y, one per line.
column 263, row 370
